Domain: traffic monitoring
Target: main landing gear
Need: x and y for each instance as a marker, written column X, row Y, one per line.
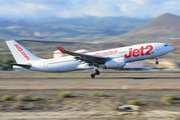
column 96, row 72
column 157, row 62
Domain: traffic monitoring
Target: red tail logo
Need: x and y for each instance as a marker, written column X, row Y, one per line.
column 21, row 51
column 138, row 52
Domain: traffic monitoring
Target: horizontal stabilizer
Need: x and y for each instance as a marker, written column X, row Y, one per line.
column 22, row 65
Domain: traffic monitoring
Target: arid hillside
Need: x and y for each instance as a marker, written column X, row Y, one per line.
column 166, row 23
column 163, row 28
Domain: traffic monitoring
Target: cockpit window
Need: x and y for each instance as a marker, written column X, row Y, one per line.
column 166, row 45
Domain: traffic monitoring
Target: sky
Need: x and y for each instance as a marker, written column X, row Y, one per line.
column 40, row 9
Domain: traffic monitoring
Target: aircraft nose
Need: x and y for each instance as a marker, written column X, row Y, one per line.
column 171, row 48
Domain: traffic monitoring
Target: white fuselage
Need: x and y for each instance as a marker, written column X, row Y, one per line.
column 130, row 54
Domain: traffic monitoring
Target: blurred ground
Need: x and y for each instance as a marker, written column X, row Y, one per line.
column 88, row 83
column 146, row 88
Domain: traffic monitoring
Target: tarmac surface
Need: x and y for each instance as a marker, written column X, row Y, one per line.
column 89, row 83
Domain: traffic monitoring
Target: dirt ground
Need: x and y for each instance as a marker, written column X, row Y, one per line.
column 83, row 106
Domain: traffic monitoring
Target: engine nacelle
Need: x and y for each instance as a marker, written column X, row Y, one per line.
column 115, row 63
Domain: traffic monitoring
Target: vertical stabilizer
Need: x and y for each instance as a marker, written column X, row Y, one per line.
column 20, row 54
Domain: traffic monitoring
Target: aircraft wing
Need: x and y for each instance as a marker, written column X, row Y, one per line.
column 85, row 57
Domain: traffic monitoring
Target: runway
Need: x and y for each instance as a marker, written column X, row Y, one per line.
column 99, row 78
column 89, row 83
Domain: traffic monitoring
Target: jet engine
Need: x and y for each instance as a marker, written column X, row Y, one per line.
column 115, row 63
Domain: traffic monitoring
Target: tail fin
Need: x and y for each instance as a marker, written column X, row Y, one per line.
column 20, row 54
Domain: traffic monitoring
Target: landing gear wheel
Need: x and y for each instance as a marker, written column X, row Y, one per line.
column 157, row 62
column 92, row 75
column 97, row 72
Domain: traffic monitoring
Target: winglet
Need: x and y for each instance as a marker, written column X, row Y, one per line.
column 61, row 49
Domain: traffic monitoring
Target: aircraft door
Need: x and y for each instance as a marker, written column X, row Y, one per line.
column 45, row 64
column 157, row 47
column 50, row 65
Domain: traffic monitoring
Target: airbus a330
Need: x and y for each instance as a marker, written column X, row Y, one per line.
column 108, row 59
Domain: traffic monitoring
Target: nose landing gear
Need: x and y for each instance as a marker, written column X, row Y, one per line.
column 157, row 62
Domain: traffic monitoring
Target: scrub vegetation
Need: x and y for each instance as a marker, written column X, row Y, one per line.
column 65, row 94
column 132, row 102
column 23, row 98
column 17, row 106
column 168, row 99
column 98, row 93
column 6, row 98
column 36, row 98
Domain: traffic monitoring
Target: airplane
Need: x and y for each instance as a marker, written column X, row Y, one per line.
column 108, row 59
